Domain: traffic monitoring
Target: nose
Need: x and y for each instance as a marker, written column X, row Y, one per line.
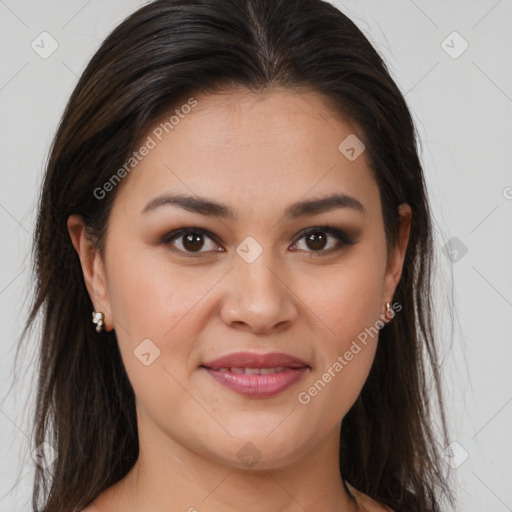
column 259, row 296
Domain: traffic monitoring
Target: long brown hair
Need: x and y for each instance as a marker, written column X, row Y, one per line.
column 162, row 54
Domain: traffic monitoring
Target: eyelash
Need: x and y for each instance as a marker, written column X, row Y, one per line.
column 341, row 236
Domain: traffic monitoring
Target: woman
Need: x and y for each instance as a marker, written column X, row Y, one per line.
column 233, row 259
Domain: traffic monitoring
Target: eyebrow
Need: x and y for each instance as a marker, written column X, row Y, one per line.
column 208, row 207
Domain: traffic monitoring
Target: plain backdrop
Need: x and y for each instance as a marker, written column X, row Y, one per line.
column 453, row 62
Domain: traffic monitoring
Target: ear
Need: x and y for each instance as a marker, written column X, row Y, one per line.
column 397, row 254
column 92, row 267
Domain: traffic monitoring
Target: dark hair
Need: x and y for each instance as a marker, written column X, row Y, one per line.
column 162, row 54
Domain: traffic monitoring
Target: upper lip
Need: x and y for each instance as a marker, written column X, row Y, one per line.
column 254, row 360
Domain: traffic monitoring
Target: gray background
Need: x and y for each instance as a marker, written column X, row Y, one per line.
column 462, row 105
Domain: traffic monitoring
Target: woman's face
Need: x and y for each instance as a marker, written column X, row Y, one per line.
column 253, row 281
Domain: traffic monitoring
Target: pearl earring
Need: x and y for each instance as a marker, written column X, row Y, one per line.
column 98, row 318
column 389, row 311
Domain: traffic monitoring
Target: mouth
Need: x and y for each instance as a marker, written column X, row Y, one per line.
column 257, row 375
column 251, row 371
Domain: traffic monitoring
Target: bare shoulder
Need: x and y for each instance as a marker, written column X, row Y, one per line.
column 90, row 508
column 369, row 503
column 102, row 503
column 106, row 501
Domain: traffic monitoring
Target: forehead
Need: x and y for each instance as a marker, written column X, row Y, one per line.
column 274, row 146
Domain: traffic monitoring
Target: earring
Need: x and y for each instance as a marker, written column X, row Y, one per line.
column 389, row 311
column 99, row 320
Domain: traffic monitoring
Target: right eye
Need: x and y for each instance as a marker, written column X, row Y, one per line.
column 191, row 240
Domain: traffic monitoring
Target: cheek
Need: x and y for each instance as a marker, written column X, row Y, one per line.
column 153, row 310
column 149, row 297
column 346, row 306
column 150, row 300
column 345, row 299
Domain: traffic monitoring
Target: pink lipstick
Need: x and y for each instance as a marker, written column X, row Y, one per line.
column 257, row 375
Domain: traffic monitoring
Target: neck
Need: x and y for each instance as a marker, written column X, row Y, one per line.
column 169, row 476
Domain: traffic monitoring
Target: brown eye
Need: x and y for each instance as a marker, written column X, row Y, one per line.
column 193, row 241
column 316, row 240
column 190, row 241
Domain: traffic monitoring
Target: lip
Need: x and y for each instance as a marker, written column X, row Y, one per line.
column 291, row 370
column 254, row 360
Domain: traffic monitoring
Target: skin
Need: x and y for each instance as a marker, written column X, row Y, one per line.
column 257, row 153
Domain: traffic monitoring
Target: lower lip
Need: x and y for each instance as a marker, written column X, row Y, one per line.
column 258, row 386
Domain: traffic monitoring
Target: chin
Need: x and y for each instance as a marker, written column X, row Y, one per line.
column 257, row 450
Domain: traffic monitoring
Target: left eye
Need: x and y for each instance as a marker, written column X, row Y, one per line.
column 317, row 239
column 192, row 240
